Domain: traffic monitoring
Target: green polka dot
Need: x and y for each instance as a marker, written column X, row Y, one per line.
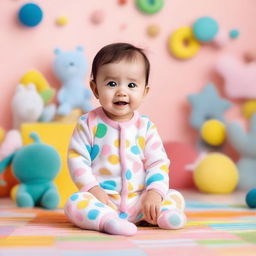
column 101, row 130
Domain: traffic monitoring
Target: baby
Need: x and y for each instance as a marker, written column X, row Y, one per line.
column 116, row 157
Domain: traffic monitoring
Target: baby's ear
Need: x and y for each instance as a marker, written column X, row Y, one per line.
column 94, row 89
column 146, row 90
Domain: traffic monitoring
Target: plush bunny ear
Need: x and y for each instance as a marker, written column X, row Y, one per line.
column 80, row 48
column 57, row 51
column 20, row 88
column 31, row 87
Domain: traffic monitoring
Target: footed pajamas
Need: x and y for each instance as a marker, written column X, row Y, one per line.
column 124, row 159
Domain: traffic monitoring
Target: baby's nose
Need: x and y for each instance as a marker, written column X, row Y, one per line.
column 121, row 92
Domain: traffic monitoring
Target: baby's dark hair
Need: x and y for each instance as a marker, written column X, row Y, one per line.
column 115, row 52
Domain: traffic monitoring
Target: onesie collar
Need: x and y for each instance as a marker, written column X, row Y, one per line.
column 116, row 124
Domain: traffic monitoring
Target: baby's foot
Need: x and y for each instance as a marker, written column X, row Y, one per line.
column 118, row 226
column 172, row 219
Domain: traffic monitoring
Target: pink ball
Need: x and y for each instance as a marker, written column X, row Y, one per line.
column 97, row 17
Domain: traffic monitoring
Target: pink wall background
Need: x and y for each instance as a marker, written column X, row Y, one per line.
column 171, row 79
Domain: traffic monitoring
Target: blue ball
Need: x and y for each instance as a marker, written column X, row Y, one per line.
column 234, row 33
column 251, row 198
column 205, row 29
column 30, row 15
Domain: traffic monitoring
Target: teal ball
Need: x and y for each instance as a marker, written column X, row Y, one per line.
column 30, row 15
column 205, row 29
column 251, row 198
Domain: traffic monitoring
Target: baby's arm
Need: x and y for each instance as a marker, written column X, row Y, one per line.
column 79, row 156
column 157, row 177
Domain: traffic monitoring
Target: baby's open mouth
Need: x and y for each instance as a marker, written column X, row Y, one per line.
column 121, row 103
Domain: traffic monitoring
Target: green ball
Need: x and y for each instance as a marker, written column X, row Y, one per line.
column 150, row 6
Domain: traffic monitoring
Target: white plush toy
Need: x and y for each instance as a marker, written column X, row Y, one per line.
column 28, row 106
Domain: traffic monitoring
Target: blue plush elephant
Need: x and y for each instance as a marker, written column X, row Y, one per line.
column 245, row 145
column 35, row 166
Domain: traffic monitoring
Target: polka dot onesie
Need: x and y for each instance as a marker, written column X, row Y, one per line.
column 125, row 159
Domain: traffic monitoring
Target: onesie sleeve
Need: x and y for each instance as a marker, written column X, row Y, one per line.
column 156, row 162
column 79, row 156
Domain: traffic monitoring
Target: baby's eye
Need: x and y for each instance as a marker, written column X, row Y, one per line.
column 112, row 84
column 132, row 85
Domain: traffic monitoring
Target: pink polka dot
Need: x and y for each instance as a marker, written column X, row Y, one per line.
column 79, row 172
column 139, row 124
column 156, row 145
column 79, row 217
column 137, row 167
column 68, row 209
column 105, row 150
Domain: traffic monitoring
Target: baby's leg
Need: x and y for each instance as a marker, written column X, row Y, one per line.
column 87, row 212
column 172, row 211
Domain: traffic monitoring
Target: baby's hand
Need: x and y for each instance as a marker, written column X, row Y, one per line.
column 151, row 203
column 100, row 194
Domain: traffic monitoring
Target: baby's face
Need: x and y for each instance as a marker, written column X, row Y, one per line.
column 120, row 87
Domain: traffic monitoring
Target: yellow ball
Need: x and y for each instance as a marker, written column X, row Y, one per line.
column 213, row 132
column 249, row 108
column 2, row 133
column 62, row 20
column 216, row 174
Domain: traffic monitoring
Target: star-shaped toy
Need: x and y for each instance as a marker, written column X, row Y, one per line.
column 207, row 105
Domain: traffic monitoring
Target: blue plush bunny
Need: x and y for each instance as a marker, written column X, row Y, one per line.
column 245, row 145
column 70, row 67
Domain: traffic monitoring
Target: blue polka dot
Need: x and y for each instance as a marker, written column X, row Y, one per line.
column 128, row 175
column 164, row 209
column 95, row 151
column 135, row 150
column 140, row 216
column 148, row 125
column 74, row 197
column 93, row 214
column 83, row 117
column 108, row 184
column 99, row 204
column 89, row 148
column 154, row 178
column 175, row 220
column 123, row 215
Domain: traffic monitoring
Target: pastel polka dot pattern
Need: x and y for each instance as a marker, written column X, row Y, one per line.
column 101, row 130
column 128, row 175
column 95, row 151
column 164, row 168
column 123, row 215
column 105, row 171
column 79, row 172
column 105, row 150
column 148, row 125
column 93, row 214
column 141, row 186
column 79, row 127
column 174, row 220
column 100, row 204
column 82, row 204
column 131, row 195
column 154, row 178
column 117, row 143
column 89, row 149
column 113, row 159
column 108, row 184
column 137, row 166
column 94, row 130
column 79, row 217
column 155, row 145
column 135, row 150
column 139, row 124
column 115, row 196
column 83, row 118
column 167, row 202
column 130, row 186
column 141, row 142
column 74, row 197
column 73, row 154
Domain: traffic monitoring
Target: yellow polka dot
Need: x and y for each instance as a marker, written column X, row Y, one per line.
column 105, row 171
column 82, row 204
column 115, row 196
column 131, row 195
column 130, row 186
column 79, row 185
column 153, row 127
column 94, row 130
column 141, row 186
column 117, row 143
column 62, row 20
column 127, row 143
column 73, row 154
column 164, row 168
column 141, row 141
column 79, row 127
column 113, row 159
column 87, row 196
column 167, row 202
